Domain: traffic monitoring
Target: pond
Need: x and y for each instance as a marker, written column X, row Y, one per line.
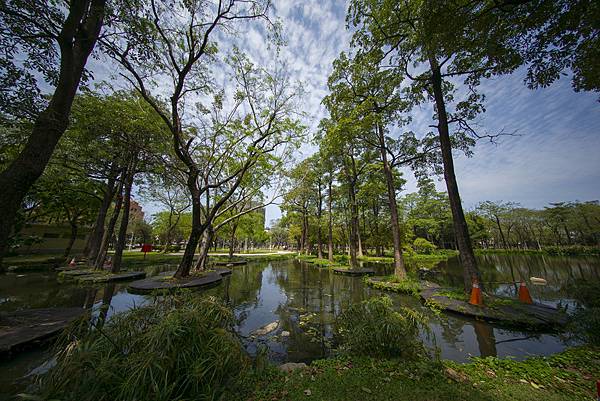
column 304, row 300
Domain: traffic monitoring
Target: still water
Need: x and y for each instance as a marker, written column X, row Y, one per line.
column 304, row 301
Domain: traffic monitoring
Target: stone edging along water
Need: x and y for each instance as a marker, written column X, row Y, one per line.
column 26, row 328
column 165, row 281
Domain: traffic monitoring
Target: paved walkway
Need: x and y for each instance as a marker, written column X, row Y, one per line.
column 247, row 255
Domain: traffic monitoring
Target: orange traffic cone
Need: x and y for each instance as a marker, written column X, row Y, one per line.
column 524, row 295
column 72, row 263
column 476, row 297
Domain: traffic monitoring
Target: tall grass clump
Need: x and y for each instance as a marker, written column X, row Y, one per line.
column 180, row 347
column 374, row 328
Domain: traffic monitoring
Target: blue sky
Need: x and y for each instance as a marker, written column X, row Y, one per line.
column 555, row 157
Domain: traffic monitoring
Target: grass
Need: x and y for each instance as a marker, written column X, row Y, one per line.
column 325, row 263
column 132, row 260
column 180, row 347
column 408, row 285
column 438, row 256
column 570, row 250
column 248, row 252
column 567, row 376
column 184, row 347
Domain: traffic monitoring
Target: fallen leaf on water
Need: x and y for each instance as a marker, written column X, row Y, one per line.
column 307, row 392
column 366, row 390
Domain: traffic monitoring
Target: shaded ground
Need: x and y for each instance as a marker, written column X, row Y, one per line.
column 567, row 376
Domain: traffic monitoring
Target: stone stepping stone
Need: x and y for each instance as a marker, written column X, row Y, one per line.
column 534, row 316
column 76, row 273
column 230, row 262
column 33, row 327
column 107, row 278
column 161, row 282
column 354, row 272
column 223, row 271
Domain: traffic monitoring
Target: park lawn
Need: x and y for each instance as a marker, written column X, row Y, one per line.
column 247, row 252
column 409, row 285
column 131, row 259
column 568, row 376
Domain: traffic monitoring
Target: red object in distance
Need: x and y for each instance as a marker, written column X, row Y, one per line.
column 147, row 248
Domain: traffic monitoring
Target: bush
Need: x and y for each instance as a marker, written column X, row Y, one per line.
column 423, row 247
column 586, row 319
column 374, row 328
column 572, row 250
column 341, row 259
column 181, row 347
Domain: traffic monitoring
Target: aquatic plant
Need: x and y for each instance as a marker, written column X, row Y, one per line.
column 376, row 328
column 180, row 347
column 407, row 285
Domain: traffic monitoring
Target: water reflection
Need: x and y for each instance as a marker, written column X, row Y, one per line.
column 304, row 301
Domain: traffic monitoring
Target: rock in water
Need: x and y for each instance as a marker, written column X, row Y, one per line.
column 291, row 366
column 266, row 329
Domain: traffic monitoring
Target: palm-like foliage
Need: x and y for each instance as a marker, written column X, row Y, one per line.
column 180, row 347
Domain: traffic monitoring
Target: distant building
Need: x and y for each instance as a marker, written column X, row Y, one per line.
column 135, row 211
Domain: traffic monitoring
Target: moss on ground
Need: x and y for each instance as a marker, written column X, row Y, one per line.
column 566, row 376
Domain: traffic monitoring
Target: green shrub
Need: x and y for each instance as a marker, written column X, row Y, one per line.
column 572, row 250
column 341, row 259
column 586, row 319
column 180, row 347
column 423, row 247
column 586, row 325
column 374, row 328
column 407, row 285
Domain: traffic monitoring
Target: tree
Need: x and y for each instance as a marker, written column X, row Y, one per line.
column 373, row 100
column 113, row 138
column 554, row 37
column 165, row 188
column 431, row 44
column 171, row 43
column 36, row 30
column 65, row 195
column 498, row 211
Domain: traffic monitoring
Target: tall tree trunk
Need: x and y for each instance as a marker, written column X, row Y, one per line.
column 110, row 229
column 232, row 240
column 353, row 245
column 76, row 40
column 122, row 235
column 169, row 230
column 330, row 226
column 501, row 232
column 95, row 239
column 204, row 247
column 197, row 228
column 304, row 233
column 72, row 238
column 461, row 230
column 399, row 268
column 359, row 252
column 319, row 215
